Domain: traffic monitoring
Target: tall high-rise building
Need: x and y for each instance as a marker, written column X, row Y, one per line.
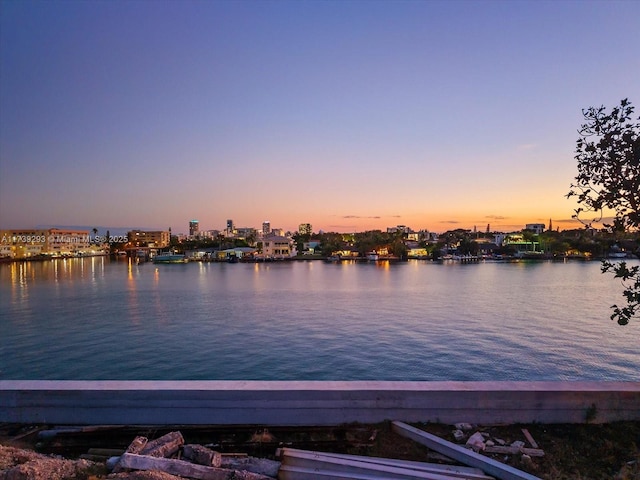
column 305, row 229
column 194, row 228
column 230, row 227
column 266, row 227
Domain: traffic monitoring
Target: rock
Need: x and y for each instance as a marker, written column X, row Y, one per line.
column 518, row 444
column 112, row 462
column 476, row 441
column 526, row 460
column 458, row 435
column 463, row 426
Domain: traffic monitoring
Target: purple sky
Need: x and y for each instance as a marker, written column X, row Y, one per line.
column 346, row 115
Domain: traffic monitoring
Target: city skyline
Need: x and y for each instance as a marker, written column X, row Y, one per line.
column 350, row 116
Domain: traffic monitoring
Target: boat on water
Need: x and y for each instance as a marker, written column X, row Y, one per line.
column 170, row 257
column 373, row 256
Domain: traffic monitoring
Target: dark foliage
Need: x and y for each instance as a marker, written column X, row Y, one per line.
column 608, row 156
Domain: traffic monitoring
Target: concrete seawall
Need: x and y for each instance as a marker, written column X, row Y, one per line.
column 290, row 403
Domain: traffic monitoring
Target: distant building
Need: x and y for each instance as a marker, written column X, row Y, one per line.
column 536, row 228
column 246, row 233
column 398, row 229
column 140, row 238
column 194, row 228
column 305, row 229
column 277, row 232
column 231, row 228
column 266, row 227
column 25, row 243
column 426, row 235
column 311, row 246
column 517, row 241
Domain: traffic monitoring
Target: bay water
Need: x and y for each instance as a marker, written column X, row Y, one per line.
column 97, row 318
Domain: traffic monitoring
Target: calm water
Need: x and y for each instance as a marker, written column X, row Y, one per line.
column 97, row 319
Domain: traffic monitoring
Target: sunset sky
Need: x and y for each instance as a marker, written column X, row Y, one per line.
column 349, row 115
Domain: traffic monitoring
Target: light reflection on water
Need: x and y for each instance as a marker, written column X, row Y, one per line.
column 94, row 318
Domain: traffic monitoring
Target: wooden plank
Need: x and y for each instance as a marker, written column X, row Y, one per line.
column 529, row 438
column 468, row 457
column 318, row 462
column 185, row 469
column 451, row 470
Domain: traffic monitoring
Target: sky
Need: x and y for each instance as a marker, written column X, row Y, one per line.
column 349, row 115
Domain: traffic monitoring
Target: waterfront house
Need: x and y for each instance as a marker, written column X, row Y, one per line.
column 347, row 252
column 276, row 246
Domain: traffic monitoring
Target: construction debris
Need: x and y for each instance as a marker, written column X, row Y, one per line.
column 135, row 446
column 463, row 455
column 202, row 455
column 463, row 426
column 484, row 442
column 532, row 452
column 262, row 466
column 307, row 465
column 476, row 442
column 186, row 469
column 529, row 438
column 201, row 463
column 164, row 446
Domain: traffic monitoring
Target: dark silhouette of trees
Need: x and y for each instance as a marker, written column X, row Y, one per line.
column 608, row 156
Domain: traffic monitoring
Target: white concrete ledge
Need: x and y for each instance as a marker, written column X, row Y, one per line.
column 313, row 402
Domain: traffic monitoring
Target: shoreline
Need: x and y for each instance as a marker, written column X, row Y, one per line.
column 305, row 258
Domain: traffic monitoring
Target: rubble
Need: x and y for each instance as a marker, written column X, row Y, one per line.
column 563, row 455
column 18, row 464
column 199, row 462
column 476, row 442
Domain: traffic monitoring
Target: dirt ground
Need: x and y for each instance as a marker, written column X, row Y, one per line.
column 575, row 451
